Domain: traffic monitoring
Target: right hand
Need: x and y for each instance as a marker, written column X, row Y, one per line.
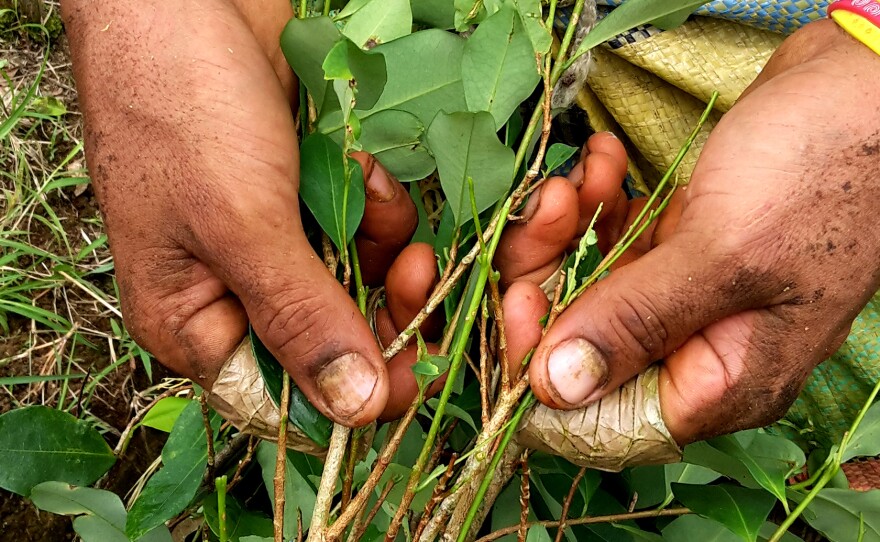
column 194, row 158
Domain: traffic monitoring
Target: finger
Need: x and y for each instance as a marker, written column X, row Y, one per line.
column 598, row 178
column 531, row 250
column 389, row 221
column 523, row 306
column 409, row 283
column 405, row 387
column 180, row 312
column 637, row 315
column 741, row 372
column 386, row 331
column 301, row 313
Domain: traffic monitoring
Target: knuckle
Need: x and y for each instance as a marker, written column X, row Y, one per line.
column 295, row 321
column 636, row 326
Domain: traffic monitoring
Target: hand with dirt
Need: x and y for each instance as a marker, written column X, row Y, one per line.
column 192, row 149
column 755, row 273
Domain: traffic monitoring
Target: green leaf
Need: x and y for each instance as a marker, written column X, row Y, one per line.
column 40, row 444
column 498, row 66
column 532, row 19
column 164, row 413
column 101, row 515
column 705, row 455
column 423, row 78
column 239, row 522
column 631, row 14
column 465, row 145
column 506, row 510
column 301, row 413
column 379, row 21
column 741, row 510
column 173, row 487
column 344, row 63
column 424, row 233
column 395, row 139
column 322, row 188
column 305, row 44
column 538, row 533
column 434, row 13
column 638, row 534
column 686, row 473
column 865, row 442
column 298, row 492
column 455, row 412
column 673, row 20
column 698, row 528
column 335, row 66
column 558, row 154
column 769, row 528
column 256, row 539
column 771, row 460
column 49, row 106
column 838, row 514
column 350, row 9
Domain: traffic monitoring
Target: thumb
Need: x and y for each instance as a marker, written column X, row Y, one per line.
column 637, row 315
column 302, row 314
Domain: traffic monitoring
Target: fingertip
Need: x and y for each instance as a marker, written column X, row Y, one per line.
column 601, row 185
column 409, row 284
column 406, row 388
column 386, row 331
column 523, row 306
column 389, row 221
column 531, row 250
column 607, row 143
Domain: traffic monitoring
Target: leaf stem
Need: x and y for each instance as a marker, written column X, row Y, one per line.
column 360, row 290
column 220, row 484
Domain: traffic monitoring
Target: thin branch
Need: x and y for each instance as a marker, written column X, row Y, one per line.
column 436, row 497
column 349, row 470
column 281, row 459
column 359, row 529
column 498, row 315
column 360, row 500
column 589, row 520
column 252, row 446
column 563, row 517
column 209, row 434
column 484, row 366
column 136, row 420
column 332, row 466
column 524, row 497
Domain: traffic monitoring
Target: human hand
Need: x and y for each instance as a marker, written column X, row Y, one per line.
column 194, row 158
column 757, row 269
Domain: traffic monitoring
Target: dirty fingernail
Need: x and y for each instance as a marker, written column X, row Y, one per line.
column 347, row 384
column 380, row 184
column 576, row 369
